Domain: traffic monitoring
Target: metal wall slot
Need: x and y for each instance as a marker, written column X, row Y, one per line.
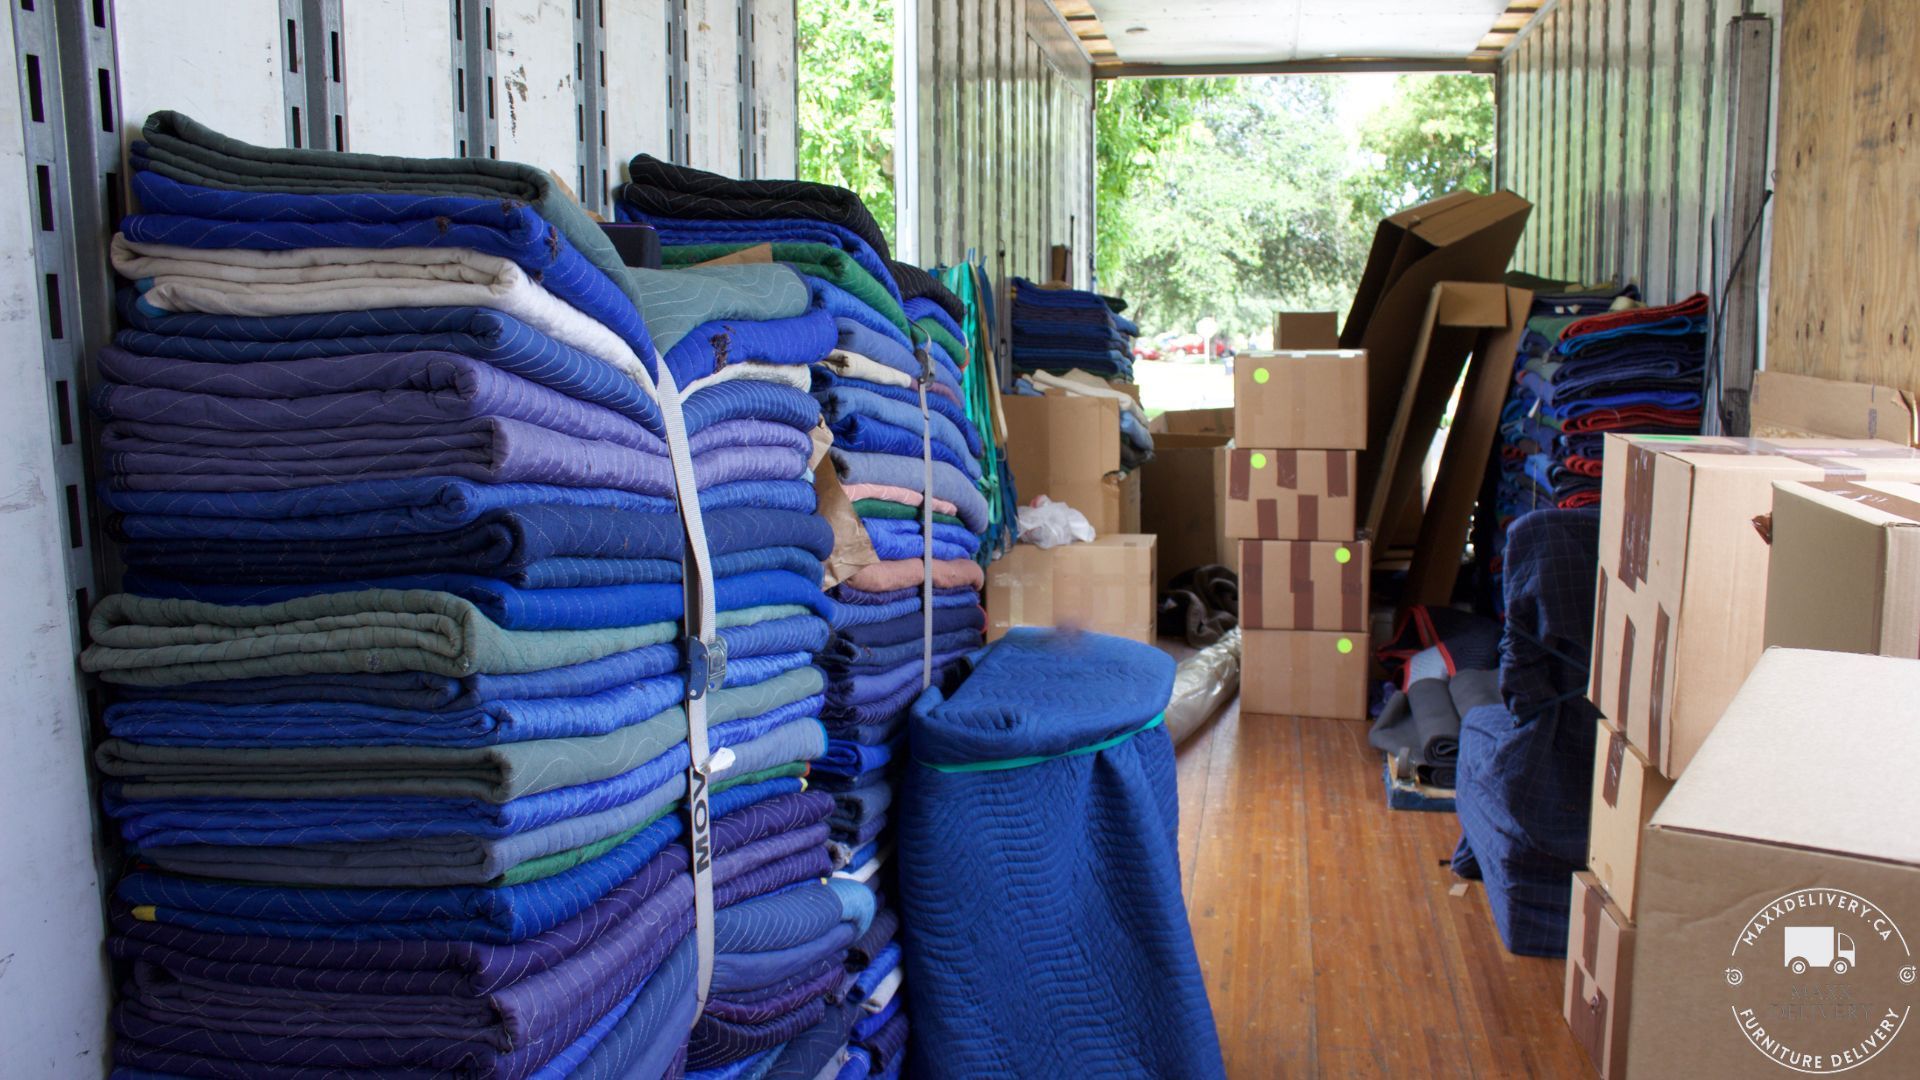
column 476, row 131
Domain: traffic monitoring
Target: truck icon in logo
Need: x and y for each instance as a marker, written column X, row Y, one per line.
column 1818, row 946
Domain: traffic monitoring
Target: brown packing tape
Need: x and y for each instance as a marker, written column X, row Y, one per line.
column 1592, row 1029
column 1239, row 472
column 1253, row 570
column 1309, row 506
column 1637, row 528
column 1338, row 474
column 1866, row 496
column 1590, row 927
column 1286, row 469
column 1300, row 583
column 1657, row 692
column 1616, row 761
column 1353, row 579
column 1626, row 677
column 1267, row 517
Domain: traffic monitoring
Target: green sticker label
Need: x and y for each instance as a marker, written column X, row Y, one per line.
column 1260, row 376
column 1342, row 556
column 1345, row 645
column 1259, row 460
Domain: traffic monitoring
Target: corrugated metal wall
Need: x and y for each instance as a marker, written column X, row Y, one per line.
column 1613, row 122
column 997, row 140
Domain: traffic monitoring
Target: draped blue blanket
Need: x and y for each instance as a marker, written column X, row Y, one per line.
column 1048, row 936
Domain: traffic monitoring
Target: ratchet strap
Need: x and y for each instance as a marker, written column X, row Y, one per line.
column 920, row 352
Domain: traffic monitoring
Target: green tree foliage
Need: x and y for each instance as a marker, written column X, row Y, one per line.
column 1140, row 126
column 846, row 99
column 1434, row 137
column 1238, row 198
column 1247, row 215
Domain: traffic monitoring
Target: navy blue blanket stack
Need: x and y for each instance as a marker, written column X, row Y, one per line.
column 1069, row 329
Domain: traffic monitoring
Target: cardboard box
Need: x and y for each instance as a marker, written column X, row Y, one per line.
column 1627, row 789
column 1290, row 494
column 1068, row 449
column 1106, row 586
column 1599, row 976
column 1304, row 585
column 1801, row 406
column 1306, row 330
column 1792, row 827
column 1193, row 422
column 1320, row 673
column 1680, row 611
column 1183, row 496
column 1303, row 400
column 1845, row 569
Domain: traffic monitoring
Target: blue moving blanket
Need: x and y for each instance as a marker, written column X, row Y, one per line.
column 1040, row 871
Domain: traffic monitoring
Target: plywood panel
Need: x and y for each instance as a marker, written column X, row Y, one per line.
column 230, row 80
column 636, row 99
column 390, row 60
column 1845, row 289
column 533, row 44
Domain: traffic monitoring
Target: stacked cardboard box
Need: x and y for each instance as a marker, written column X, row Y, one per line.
column 1299, row 418
column 1682, row 612
column 1068, row 449
column 1105, row 586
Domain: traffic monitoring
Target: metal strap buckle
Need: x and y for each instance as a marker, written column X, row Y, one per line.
column 706, row 667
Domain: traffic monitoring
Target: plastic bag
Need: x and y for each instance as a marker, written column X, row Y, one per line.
column 1049, row 524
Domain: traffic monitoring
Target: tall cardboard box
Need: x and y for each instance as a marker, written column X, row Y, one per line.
column 1106, row 586
column 1680, row 607
column 1304, row 585
column 1290, row 494
column 1780, row 886
column 1183, row 497
column 1193, row 422
column 1312, row 400
column 1845, row 573
column 1306, row 330
column 1318, row 673
column 1599, row 976
column 1627, row 789
column 1068, row 449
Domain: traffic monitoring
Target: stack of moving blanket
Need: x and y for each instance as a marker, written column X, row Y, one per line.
column 1442, row 663
column 1590, row 363
column 891, row 392
column 1068, row 329
column 1040, row 868
column 1525, row 762
column 398, row 739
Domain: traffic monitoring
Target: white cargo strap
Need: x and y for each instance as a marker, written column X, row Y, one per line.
column 706, row 671
column 926, row 509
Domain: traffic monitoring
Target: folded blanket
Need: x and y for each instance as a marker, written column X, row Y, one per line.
column 864, row 434
column 159, row 642
column 499, row 543
column 949, row 483
column 840, row 398
column 415, row 388
column 905, row 573
column 777, row 738
column 192, row 216
column 678, row 191
column 676, row 232
column 878, row 509
column 907, row 531
column 844, row 658
column 494, row 774
column 856, row 337
column 905, row 627
column 674, row 302
column 1043, row 780
column 898, row 496
column 173, row 145
column 765, row 631
column 235, row 281
column 815, row 260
